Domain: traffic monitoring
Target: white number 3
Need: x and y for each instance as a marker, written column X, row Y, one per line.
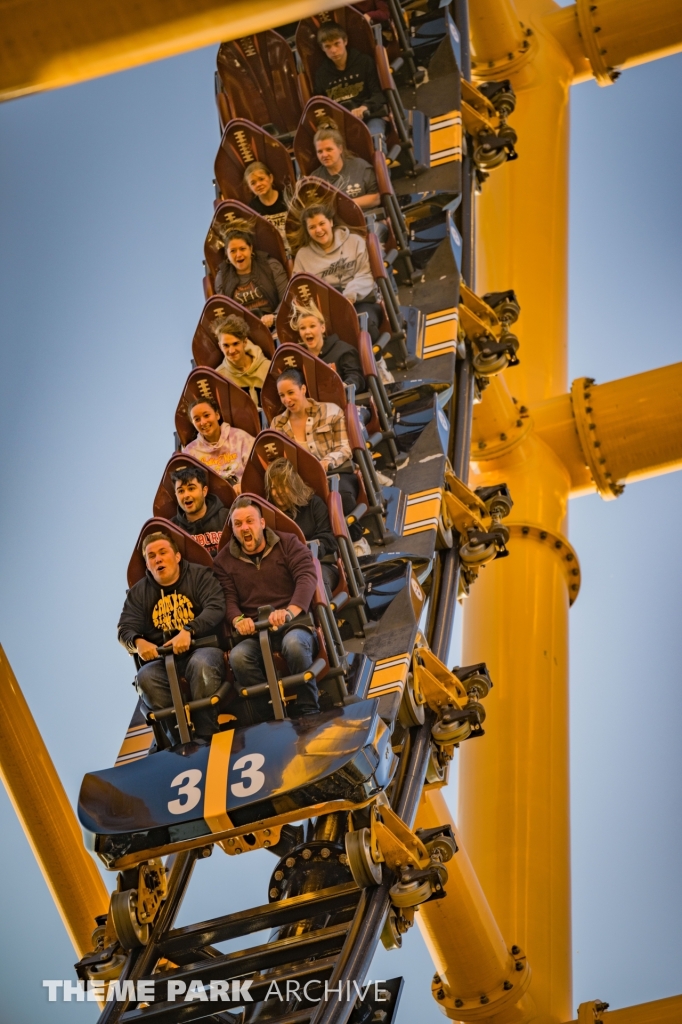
column 249, row 765
column 189, row 788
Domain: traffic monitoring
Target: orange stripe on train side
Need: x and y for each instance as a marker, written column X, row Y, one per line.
column 215, row 792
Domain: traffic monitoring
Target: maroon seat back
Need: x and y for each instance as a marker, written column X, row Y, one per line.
column 231, row 213
column 339, row 314
column 314, row 191
column 165, row 505
column 321, row 112
column 236, row 408
column 360, row 37
column 259, row 81
column 274, row 518
column 322, row 383
column 189, row 548
column 205, row 350
column 271, row 445
column 243, row 143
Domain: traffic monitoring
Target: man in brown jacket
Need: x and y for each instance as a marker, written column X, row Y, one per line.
column 260, row 567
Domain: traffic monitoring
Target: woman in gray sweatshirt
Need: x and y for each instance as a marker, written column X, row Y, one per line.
column 339, row 257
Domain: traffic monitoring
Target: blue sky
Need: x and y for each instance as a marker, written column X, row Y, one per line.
column 105, row 198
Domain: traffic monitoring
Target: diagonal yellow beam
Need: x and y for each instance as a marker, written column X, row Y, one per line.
column 46, row 44
column 46, row 815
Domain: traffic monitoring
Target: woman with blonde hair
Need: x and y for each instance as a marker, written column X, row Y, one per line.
column 308, row 319
column 288, row 491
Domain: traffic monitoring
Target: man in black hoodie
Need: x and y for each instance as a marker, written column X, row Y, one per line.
column 201, row 514
column 350, row 78
column 175, row 602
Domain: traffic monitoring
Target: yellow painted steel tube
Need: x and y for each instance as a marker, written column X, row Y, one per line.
column 623, row 32
column 46, row 815
column 465, row 942
column 47, row 44
column 659, row 1011
column 630, row 429
column 495, row 28
column 522, row 216
column 514, row 783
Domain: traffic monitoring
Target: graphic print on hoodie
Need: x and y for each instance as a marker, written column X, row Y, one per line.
column 345, row 266
column 228, row 456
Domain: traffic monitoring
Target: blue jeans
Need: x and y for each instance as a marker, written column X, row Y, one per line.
column 299, row 648
column 204, row 670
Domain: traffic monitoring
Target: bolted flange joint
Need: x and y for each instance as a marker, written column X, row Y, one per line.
column 486, row 1005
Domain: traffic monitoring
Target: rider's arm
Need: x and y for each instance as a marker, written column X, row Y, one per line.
column 133, row 623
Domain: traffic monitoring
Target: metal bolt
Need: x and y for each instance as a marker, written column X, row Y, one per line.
column 307, row 854
column 519, row 965
column 279, row 875
column 543, row 536
column 343, row 859
column 266, row 842
column 325, row 853
column 266, row 831
column 274, row 893
column 440, row 994
column 503, row 437
column 507, row 985
column 436, row 978
column 484, row 1000
column 290, row 861
column 459, row 1002
column 515, row 950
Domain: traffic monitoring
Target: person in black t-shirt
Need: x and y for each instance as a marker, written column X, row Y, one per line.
column 285, row 489
column 350, row 174
column 267, row 201
column 350, row 78
column 251, row 277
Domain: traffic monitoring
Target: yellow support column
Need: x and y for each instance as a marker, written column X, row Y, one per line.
column 47, row 817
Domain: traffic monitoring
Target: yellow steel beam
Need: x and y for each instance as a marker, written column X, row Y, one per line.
column 45, row 44
column 612, row 434
column 601, row 36
column 46, row 815
column 479, row 978
column 660, row 1011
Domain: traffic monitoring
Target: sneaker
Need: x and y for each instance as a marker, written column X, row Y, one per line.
column 361, row 547
column 384, row 480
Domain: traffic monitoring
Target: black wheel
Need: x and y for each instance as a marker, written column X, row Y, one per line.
column 410, row 894
column 363, row 869
column 131, row 933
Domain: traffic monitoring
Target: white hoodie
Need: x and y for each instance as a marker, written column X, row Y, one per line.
column 345, row 266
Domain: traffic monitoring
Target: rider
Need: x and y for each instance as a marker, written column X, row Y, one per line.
column 244, row 363
column 174, row 603
column 350, row 174
column 251, row 277
column 222, row 448
column 260, row 567
column 308, row 319
column 350, row 78
column 290, row 493
column 339, row 257
column 321, row 428
column 200, row 514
